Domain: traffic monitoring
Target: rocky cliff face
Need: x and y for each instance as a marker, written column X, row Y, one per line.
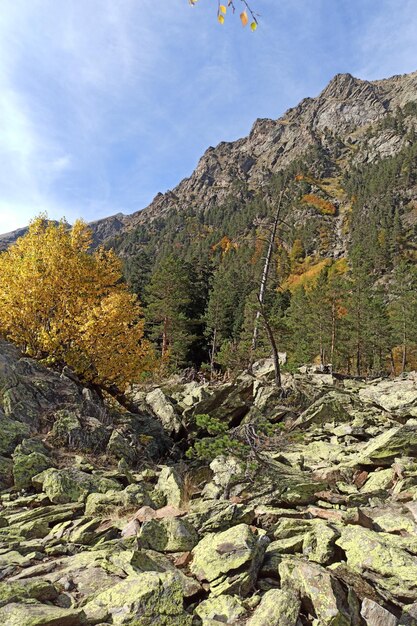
column 346, row 108
column 322, row 534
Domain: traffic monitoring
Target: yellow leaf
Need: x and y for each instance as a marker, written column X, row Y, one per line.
column 244, row 18
column 222, row 9
column 253, row 26
column 221, row 18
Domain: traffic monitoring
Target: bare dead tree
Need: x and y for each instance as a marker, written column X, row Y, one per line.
column 261, row 295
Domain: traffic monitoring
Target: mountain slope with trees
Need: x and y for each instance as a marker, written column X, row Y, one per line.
column 340, row 283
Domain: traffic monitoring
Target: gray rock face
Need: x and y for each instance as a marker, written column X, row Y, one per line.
column 34, row 399
column 376, row 615
column 28, row 391
column 164, row 411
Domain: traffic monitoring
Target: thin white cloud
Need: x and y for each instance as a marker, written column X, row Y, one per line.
column 105, row 102
column 387, row 40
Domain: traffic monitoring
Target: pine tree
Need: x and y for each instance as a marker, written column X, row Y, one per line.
column 301, row 326
column 402, row 309
column 168, row 297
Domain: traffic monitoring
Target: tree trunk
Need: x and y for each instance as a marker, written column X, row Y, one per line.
column 404, row 359
column 165, row 338
column 274, row 348
column 264, row 278
column 333, row 340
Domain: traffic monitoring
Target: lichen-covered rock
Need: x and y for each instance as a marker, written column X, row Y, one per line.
column 28, row 389
column 220, row 610
column 409, row 615
column 215, row 515
column 66, row 425
column 229, row 402
column 78, row 432
column 313, row 538
column 171, row 485
column 382, row 479
column 397, row 396
column 230, row 560
column 332, row 408
column 144, row 599
column 381, row 558
column 103, row 504
column 168, row 535
column 6, row 473
column 277, row 608
column 397, row 441
column 19, row 614
column 69, row 485
column 164, row 411
column 392, row 521
column 18, row 591
column 26, row 466
column 11, row 434
column 317, row 589
column 119, row 447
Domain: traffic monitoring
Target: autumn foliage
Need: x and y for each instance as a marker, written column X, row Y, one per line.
column 60, row 303
column 323, row 206
column 230, row 5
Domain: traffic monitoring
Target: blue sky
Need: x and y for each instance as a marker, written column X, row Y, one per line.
column 104, row 103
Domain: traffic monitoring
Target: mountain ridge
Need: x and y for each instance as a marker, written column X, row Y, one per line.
column 346, row 106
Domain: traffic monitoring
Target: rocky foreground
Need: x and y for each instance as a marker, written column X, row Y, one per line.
column 102, row 523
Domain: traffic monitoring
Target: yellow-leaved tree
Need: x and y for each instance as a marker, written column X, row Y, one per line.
column 65, row 304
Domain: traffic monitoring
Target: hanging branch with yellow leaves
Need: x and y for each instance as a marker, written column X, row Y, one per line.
column 244, row 15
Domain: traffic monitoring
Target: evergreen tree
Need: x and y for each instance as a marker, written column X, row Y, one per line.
column 301, row 326
column 168, row 309
column 402, row 310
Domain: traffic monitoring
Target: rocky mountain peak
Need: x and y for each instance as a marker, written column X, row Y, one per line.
column 346, row 105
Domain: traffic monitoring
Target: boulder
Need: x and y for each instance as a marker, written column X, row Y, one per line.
column 192, row 393
column 331, row 408
column 395, row 442
column 171, row 485
column 383, row 559
column 320, row 593
column 104, row 504
column 26, row 466
column 216, row 515
column 164, row 410
column 28, row 390
column 230, row 560
column 84, row 433
column 6, row 473
column 229, row 402
column 19, row 614
column 397, row 396
column 11, row 434
column 69, row 485
column 168, row 535
column 277, row 608
column 144, row 599
column 120, row 448
column 382, row 479
column 376, row 615
column 21, row 590
column 409, row 615
column 146, row 433
column 220, row 610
